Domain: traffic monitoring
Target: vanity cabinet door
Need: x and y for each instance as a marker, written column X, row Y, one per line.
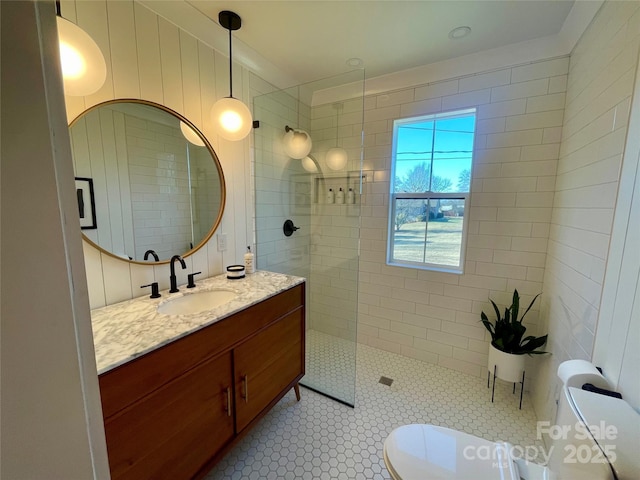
column 174, row 431
column 267, row 365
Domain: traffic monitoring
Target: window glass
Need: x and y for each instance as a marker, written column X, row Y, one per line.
column 429, row 190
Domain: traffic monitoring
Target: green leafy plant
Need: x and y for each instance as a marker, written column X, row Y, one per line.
column 507, row 332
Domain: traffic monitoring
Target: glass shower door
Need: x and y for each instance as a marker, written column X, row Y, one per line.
column 320, row 194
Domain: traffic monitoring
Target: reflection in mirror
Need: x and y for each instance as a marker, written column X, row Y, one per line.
column 153, row 190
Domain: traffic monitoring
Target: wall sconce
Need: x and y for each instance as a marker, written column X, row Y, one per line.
column 83, row 67
column 190, row 134
column 231, row 117
column 296, row 143
column 336, row 157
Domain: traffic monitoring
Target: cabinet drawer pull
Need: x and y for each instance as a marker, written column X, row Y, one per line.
column 228, row 401
column 245, row 388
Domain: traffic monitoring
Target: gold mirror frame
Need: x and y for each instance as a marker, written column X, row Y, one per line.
column 214, row 158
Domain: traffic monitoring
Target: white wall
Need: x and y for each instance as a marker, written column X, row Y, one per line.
column 170, row 67
column 435, row 316
column 51, row 414
column 599, row 90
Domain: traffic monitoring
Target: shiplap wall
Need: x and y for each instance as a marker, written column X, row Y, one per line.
column 150, row 58
column 94, row 138
column 599, row 91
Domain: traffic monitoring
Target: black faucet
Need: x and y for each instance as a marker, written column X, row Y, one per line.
column 190, row 282
column 151, row 252
column 172, row 277
column 155, row 290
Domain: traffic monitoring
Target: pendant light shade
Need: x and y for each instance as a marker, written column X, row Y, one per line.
column 296, row 143
column 190, row 134
column 336, row 158
column 83, row 67
column 231, row 118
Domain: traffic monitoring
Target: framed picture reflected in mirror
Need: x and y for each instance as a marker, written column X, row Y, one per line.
column 86, row 203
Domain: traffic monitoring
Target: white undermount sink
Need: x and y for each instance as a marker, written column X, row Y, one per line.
column 196, row 302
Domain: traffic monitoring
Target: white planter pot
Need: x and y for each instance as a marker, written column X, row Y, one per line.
column 508, row 367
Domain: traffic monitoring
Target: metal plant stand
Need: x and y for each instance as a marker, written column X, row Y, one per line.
column 493, row 388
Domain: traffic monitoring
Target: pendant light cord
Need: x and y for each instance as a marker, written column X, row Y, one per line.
column 337, row 113
column 230, row 68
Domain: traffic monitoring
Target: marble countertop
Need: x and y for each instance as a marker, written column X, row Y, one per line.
column 129, row 329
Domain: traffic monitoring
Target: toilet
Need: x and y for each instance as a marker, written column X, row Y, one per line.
column 608, row 449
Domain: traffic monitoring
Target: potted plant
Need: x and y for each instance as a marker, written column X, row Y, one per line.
column 508, row 343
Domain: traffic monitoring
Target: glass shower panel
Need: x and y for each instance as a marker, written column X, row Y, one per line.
column 321, row 195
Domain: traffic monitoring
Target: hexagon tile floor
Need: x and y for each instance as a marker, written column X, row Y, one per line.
column 319, row 438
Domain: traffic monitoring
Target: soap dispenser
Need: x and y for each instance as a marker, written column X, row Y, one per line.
column 331, row 197
column 248, row 261
column 351, row 196
column 340, row 196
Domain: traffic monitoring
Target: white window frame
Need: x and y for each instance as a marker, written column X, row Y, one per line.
column 429, row 195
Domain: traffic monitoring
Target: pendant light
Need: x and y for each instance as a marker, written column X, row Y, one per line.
column 296, row 142
column 83, row 67
column 231, row 118
column 336, row 157
column 191, row 135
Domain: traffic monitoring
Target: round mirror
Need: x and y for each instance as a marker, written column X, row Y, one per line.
column 148, row 183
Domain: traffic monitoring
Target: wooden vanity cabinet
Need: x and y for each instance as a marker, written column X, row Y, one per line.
column 265, row 364
column 173, row 412
column 191, row 415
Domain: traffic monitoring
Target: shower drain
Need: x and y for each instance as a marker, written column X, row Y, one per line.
column 386, row 381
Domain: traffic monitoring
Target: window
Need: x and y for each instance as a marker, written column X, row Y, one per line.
column 430, row 181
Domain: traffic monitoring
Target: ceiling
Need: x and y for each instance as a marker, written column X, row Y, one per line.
column 313, row 39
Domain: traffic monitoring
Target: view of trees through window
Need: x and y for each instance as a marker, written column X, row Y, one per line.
column 429, row 191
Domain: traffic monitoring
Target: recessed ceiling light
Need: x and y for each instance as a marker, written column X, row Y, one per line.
column 459, row 32
column 355, row 62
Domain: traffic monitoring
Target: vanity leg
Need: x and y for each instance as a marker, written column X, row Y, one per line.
column 296, row 388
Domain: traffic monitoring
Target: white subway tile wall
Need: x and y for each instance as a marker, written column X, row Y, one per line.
column 434, row 316
column 158, row 166
column 282, row 186
column 325, row 248
column 598, row 93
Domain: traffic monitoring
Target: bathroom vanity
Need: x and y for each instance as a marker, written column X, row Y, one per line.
column 178, row 390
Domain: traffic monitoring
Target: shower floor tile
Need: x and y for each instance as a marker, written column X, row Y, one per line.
column 330, row 365
column 318, row 438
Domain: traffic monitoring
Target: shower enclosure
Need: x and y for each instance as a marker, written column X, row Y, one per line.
column 320, row 195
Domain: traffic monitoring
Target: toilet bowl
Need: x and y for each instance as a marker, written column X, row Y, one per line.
column 430, row 452
column 606, row 450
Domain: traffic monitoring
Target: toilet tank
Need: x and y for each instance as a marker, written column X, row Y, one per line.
column 594, row 436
